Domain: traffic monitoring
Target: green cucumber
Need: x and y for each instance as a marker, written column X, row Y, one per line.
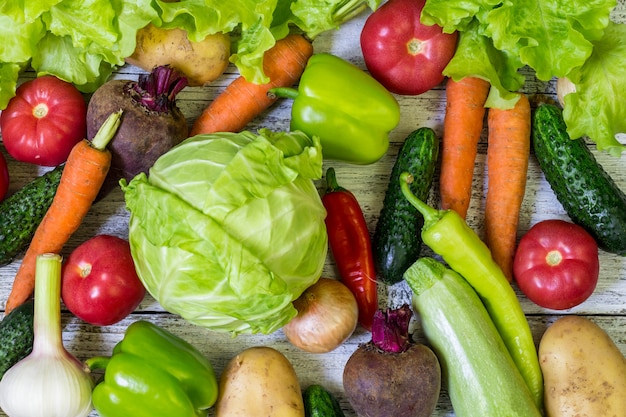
column 16, row 335
column 318, row 402
column 396, row 243
column 480, row 375
column 588, row 194
column 21, row 213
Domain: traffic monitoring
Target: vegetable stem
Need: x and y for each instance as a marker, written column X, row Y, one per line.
column 430, row 214
column 107, row 131
column 284, row 92
column 47, row 325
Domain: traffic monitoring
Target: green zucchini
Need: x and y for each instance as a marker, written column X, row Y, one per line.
column 16, row 335
column 318, row 402
column 396, row 243
column 481, row 377
column 588, row 194
column 21, row 213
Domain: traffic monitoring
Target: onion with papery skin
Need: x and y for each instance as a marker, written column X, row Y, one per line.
column 50, row 381
column 327, row 316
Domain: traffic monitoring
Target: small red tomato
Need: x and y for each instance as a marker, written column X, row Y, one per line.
column 99, row 282
column 4, row 177
column 43, row 121
column 404, row 55
column 556, row 264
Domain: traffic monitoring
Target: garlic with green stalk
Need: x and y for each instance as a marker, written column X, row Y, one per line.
column 50, row 382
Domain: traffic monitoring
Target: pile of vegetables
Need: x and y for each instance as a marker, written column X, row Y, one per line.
column 60, row 39
column 574, row 39
column 228, row 230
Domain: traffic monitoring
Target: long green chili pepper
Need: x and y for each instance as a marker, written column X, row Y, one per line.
column 448, row 235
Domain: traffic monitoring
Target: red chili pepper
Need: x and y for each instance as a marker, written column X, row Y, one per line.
column 351, row 246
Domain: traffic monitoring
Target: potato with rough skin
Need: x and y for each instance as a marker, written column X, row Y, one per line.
column 200, row 62
column 584, row 371
column 259, row 382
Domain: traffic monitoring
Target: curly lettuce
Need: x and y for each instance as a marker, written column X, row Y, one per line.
column 555, row 38
column 83, row 41
column 227, row 230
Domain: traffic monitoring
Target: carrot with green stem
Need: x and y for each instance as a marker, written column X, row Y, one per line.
column 83, row 175
column 242, row 100
column 462, row 127
column 508, row 153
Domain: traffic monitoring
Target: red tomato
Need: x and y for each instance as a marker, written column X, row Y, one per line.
column 556, row 264
column 99, row 282
column 4, row 177
column 404, row 55
column 44, row 120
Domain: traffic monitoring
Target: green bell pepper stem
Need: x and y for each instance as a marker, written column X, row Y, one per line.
column 448, row 235
column 97, row 362
column 284, row 92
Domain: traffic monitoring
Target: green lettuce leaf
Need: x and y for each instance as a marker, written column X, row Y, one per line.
column 256, row 25
column 555, row 38
column 552, row 37
column 596, row 109
column 228, row 229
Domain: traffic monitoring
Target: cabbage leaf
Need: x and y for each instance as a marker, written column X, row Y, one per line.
column 227, row 230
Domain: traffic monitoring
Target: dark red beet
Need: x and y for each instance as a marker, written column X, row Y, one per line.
column 390, row 375
column 151, row 122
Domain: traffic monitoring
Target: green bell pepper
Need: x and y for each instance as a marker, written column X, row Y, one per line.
column 345, row 107
column 153, row 373
column 449, row 236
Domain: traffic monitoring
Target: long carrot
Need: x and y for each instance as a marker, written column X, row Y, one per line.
column 242, row 100
column 508, row 152
column 462, row 127
column 83, row 175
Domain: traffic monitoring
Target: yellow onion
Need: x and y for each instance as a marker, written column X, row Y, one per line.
column 327, row 316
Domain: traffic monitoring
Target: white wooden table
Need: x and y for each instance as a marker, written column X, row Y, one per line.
column 606, row 307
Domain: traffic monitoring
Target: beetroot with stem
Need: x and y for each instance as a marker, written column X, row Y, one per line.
column 151, row 123
column 391, row 375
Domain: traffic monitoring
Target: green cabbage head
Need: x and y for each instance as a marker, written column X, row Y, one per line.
column 227, row 230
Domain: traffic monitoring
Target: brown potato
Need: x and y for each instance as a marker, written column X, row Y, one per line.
column 200, row 62
column 259, row 382
column 584, row 371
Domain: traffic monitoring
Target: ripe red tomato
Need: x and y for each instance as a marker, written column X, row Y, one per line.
column 404, row 55
column 556, row 264
column 99, row 282
column 4, row 177
column 43, row 121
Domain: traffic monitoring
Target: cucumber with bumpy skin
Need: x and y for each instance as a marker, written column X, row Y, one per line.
column 17, row 335
column 318, row 402
column 396, row 243
column 588, row 194
column 21, row 213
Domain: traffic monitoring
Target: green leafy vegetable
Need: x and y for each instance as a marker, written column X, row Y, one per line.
column 596, row 108
column 58, row 37
column 228, row 229
column 555, row 38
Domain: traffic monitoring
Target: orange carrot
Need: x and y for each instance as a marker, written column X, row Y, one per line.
column 83, row 175
column 242, row 100
column 508, row 152
column 462, row 126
